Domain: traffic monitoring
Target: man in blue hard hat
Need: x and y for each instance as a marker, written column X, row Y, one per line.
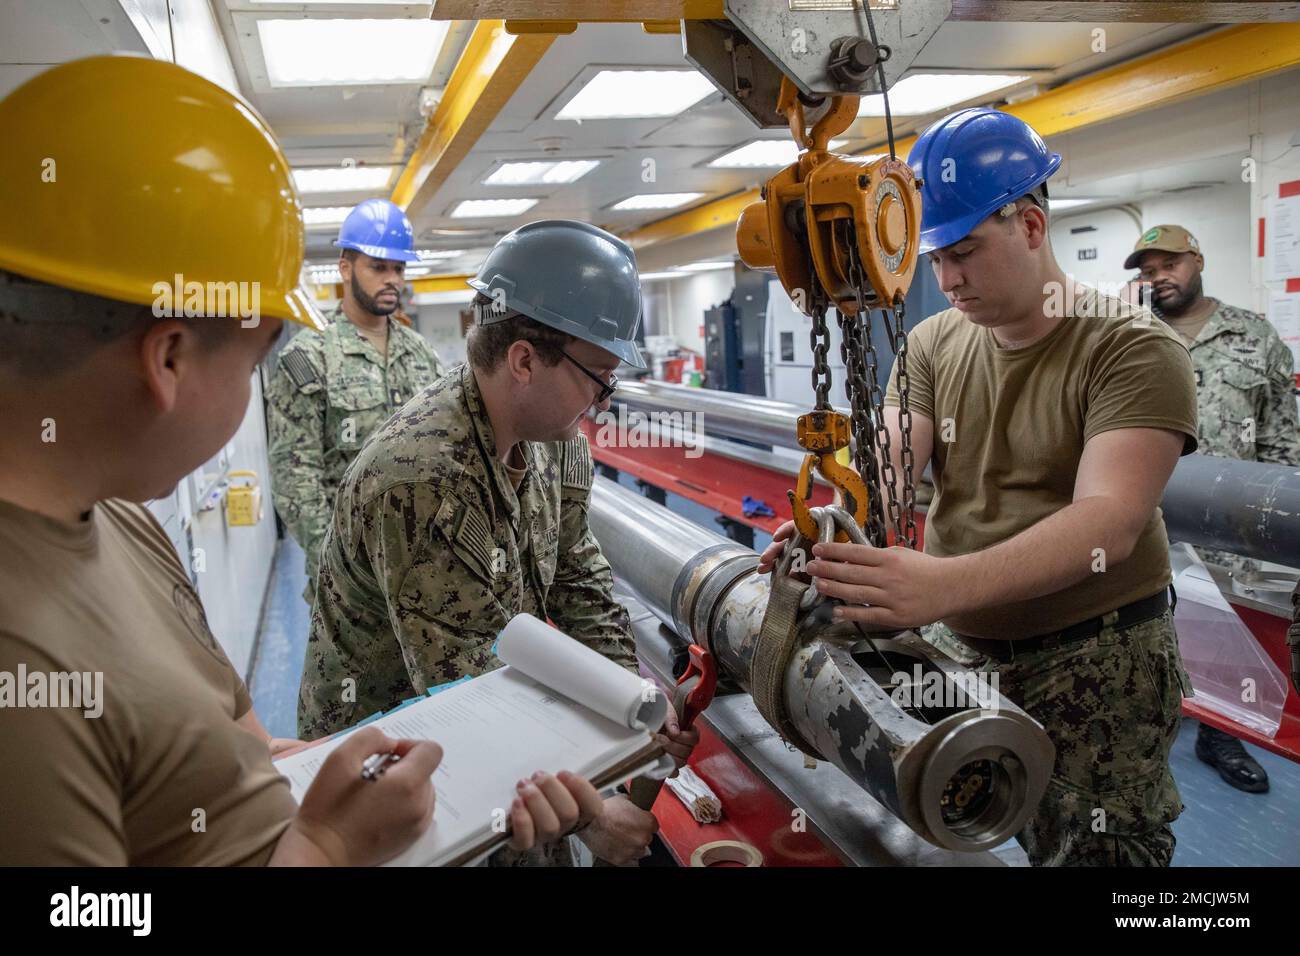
column 331, row 391
column 471, row 506
column 1052, row 417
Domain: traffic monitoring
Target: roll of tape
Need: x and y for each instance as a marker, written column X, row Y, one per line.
column 726, row 851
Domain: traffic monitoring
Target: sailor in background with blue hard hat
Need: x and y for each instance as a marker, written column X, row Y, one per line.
column 1052, row 417
column 331, row 391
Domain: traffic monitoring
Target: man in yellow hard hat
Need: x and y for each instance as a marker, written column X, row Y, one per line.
column 143, row 278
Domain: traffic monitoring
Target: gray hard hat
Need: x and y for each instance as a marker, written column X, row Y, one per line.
column 571, row 276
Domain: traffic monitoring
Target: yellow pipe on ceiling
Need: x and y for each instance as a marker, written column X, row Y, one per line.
column 441, row 283
column 492, row 67
column 1068, row 11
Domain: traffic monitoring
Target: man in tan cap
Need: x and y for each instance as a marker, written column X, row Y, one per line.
column 1245, row 390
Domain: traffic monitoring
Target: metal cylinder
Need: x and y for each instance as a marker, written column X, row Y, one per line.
column 964, row 768
column 1245, row 507
column 746, row 417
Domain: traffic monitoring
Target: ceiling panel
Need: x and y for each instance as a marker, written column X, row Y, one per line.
column 681, row 146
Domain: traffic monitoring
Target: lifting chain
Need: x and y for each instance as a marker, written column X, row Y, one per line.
column 820, row 339
column 868, row 397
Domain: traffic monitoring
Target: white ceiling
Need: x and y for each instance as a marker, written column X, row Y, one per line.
column 681, row 146
column 381, row 124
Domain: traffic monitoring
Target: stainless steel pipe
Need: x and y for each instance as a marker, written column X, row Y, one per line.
column 963, row 776
column 1245, row 507
column 727, row 414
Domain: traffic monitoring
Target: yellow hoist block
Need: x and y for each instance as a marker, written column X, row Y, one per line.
column 825, row 211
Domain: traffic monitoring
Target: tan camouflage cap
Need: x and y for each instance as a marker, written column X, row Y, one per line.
column 1164, row 238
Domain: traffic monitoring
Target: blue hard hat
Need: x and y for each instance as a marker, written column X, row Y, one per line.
column 570, row 275
column 379, row 229
column 973, row 162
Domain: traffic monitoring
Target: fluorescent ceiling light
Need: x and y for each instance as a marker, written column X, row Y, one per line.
column 1055, row 205
column 332, row 52
column 636, row 94
column 656, row 201
column 319, row 216
column 342, row 179
column 540, row 173
column 706, row 266
column 654, row 276
column 764, row 152
column 923, row 93
column 434, row 255
column 492, row 208
column 324, row 276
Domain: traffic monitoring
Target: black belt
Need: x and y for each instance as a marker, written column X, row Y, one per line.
column 1143, row 609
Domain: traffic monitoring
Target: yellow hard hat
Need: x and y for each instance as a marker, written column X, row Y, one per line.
column 126, row 177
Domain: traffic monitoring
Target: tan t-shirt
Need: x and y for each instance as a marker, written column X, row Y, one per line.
column 1018, row 420
column 110, row 596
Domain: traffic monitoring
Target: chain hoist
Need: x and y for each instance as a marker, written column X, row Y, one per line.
column 841, row 231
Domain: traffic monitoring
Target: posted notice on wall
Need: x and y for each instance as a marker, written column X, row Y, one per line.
column 1283, row 239
column 1284, row 313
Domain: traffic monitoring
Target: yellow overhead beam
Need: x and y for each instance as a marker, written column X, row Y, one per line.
column 1076, row 11
column 494, row 64
column 585, row 11
column 1220, row 60
column 442, row 283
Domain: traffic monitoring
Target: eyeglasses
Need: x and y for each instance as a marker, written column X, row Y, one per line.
column 606, row 388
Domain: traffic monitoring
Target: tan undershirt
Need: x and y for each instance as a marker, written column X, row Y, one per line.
column 378, row 339
column 1189, row 326
column 515, row 474
column 163, row 776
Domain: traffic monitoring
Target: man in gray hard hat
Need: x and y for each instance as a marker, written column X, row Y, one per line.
column 469, row 506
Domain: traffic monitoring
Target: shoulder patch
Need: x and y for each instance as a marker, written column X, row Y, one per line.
column 577, row 464
column 474, row 536
column 298, row 368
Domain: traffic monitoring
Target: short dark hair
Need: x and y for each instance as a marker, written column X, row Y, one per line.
column 47, row 329
column 488, row 344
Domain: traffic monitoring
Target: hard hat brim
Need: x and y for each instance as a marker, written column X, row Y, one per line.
column 304, row 311
column 625, row 350
column 380, row 252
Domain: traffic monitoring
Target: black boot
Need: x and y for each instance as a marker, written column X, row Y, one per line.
column 1226, row 754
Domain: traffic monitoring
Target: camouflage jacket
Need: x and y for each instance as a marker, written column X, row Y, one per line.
column 328, row 394
column 431, row 552
column 1245, row 378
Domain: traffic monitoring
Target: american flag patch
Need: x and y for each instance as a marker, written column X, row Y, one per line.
column 474, row 536
column 299, row 369
column 577, row 464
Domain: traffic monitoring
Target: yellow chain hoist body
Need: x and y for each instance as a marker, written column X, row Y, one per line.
column 811, row 214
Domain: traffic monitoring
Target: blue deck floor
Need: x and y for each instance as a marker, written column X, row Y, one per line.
column 1220, row 827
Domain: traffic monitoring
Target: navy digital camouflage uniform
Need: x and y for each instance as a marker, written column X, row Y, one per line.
column 329, row 393
column 1111, row 704
column 431, row 552
column 1245, row 378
